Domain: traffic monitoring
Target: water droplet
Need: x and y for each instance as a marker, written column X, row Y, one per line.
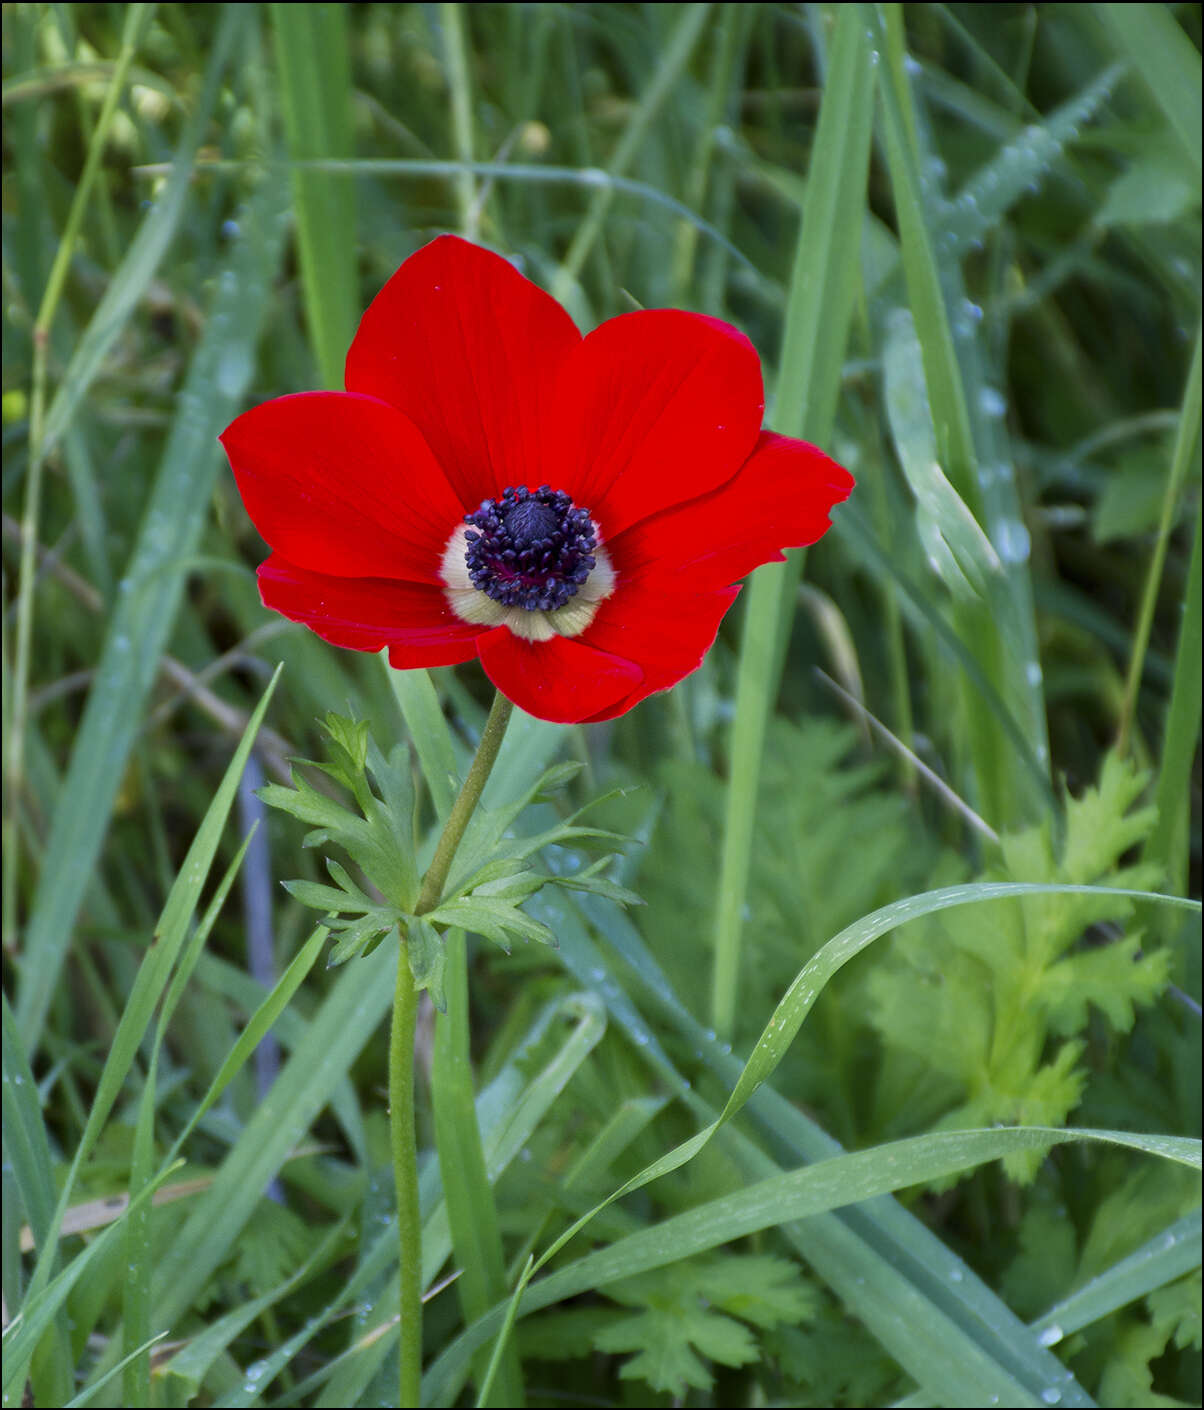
column 1012, row 541
column 1050, row 1336
column 1051, row 1395
column 233, row 370
column 991, row 402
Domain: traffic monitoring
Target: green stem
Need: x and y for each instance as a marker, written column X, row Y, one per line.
column 403, row 1138
column 465, row 804
column 1181, row 458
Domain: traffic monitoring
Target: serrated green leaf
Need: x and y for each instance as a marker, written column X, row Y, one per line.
column 357, row 938
column 324, row 898
column 496, row 920
column 427, row 957
column 516, row 887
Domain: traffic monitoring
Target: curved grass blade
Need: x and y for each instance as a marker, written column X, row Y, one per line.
column 795, row 1194
column 800, row 997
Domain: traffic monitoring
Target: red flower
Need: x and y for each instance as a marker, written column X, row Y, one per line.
column 574, row 511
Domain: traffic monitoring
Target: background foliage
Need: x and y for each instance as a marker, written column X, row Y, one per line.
column 966, row 241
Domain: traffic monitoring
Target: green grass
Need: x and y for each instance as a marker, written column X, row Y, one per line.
column 866, row 1103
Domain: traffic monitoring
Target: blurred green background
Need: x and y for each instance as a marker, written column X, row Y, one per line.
column 965, row 240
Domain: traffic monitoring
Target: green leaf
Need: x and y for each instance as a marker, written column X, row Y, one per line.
column 425, row 952
column 497, row 920
column 1154, row 191
column 360, row 937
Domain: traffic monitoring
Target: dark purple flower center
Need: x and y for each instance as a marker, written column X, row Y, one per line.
column 531, row 548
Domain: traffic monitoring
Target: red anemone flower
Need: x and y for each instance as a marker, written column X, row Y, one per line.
column 574, row 511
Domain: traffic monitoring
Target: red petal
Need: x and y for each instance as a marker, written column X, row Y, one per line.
column 344, row 485
column 666, row 632
column 657, row 407
column 781, row 498
column 561, row 680
column 470, row 351
column 366, row 614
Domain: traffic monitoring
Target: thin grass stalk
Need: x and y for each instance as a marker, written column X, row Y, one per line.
column 818, row 315
column 1186, row 440
column 136, row 18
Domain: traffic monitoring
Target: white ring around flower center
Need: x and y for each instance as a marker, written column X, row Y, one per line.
column 470, row 604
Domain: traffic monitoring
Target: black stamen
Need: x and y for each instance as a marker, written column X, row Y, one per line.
column 530, row 548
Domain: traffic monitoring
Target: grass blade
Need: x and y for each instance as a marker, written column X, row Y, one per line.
column 314, row 68
column 145, row 611
column 795, row 1194
column 813, row 340
column 1165, row 1257
column 1169, row 65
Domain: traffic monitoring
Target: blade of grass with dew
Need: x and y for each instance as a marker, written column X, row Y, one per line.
column 149, row 594
column 672, row 62
column 136, row 1306
column 192, row 1362
column 1187, row 438
column 818, row 314
column 25, row 1331
column 471, row 1213
column 1170, row 1254
column 345, row 1021
column 313, row 66
column 1151, row 40
column 926, row 1307
column 1010, row 175
column 853, row 529
column 795, row 1194
column 1006, row 648
column 152, row 979
column 799, row 998
column 271, row 1010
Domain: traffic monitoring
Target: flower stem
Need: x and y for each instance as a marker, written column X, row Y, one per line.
column 403, row 1138
column 465, row 804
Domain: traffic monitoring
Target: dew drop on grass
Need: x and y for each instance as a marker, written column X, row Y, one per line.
column 1050, row 1336
column 991, row 402
column 1051, row 1395
column 1013, row 541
